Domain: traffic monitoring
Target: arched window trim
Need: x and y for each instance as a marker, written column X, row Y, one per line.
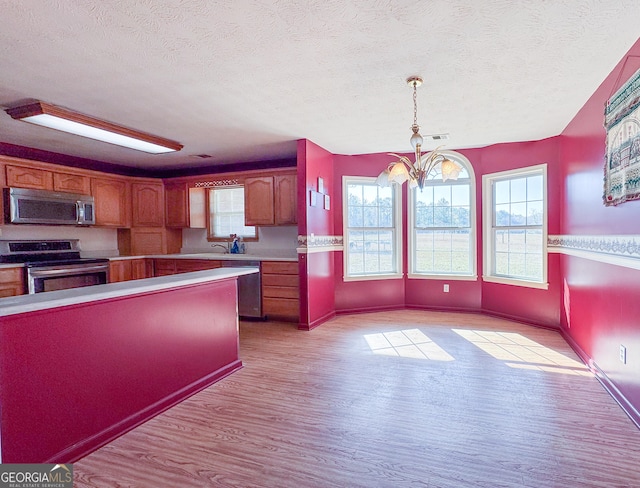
column 434, row 180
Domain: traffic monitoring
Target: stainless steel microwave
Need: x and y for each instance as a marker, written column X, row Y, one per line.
column 25, row 206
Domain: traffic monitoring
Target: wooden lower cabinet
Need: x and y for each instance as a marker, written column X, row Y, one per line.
column 128, row 269
column 164, row 267
column 188, row 265
column 119, row 270
column 141, row 268
column 11, row 282
column 281, row 290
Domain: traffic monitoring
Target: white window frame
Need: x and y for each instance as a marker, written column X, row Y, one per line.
column 473, row 275
column 488, row 181
column 211, row 236
column 397, row 216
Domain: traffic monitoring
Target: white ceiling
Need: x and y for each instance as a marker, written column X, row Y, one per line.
column 243, row 80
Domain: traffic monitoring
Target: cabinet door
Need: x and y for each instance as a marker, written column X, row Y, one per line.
column 148, row 241
column 23, row 177
column 147, row 205
column 197, row 208
column 176, row 205
column 72, row 183
column 110, row 202
column 164, row 267
column 258, row 201
column 286, row 208
column 119, row 271
column 138, row 269
column 11, row 282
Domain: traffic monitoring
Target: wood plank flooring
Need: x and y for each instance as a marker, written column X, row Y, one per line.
column 393, row 399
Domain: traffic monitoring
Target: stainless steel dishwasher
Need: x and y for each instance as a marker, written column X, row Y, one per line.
column 249, row 289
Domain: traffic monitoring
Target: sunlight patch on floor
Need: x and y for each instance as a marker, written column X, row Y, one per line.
column 518, row 351
column 409, row 343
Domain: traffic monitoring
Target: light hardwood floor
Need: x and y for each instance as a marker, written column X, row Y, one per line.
column 393, row 399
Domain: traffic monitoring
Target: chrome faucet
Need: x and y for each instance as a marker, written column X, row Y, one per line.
column 226, row 249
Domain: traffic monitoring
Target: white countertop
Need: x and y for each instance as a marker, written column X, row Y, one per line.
column 214, row 256
column 74, row 296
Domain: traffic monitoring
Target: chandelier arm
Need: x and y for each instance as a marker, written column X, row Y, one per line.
column 403, row 159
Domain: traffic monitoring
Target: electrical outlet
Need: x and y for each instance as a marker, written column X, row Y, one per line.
column 623, row 354
column 446, row 288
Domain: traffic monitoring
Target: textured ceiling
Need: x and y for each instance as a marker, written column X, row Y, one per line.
column 242, row 80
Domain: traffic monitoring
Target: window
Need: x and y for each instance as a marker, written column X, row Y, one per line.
column 372, row 229
column 226, row 213
column 442, row 225
column 515, row 225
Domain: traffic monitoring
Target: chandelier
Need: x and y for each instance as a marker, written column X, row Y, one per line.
column 417, row 172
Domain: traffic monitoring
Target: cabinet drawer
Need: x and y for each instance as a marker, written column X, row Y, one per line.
column 185, row 266
column 277, row 267
column 11, row 274
column 280, row 292
column 280, row 280
column 281, row 307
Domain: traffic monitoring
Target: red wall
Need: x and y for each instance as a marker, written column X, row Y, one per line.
column 505, row 300
column 317, row 296
column 599, row 301
column 358, row 296
column 117, row 363
column 540, row 307
column 602, row 308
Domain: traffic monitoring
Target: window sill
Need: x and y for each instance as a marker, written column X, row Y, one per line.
column 511, row 281
column 419, row 276
column 397, row 276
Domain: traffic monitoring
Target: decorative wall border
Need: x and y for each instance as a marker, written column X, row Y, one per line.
column 313, row 243
column 214, row 183
column 621, row 250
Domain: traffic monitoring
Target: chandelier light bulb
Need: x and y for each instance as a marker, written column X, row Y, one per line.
column 416, row 140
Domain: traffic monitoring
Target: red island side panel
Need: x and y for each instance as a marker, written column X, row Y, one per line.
column 73, row 378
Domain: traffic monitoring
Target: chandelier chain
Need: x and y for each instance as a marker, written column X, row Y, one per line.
column 415, row 104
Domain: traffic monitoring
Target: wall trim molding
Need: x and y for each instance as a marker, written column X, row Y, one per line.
column 313, row 243
column 620, row 250
column 604, row 380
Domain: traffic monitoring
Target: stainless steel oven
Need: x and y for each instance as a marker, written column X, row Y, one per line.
column 62, row 275
column 54, row 264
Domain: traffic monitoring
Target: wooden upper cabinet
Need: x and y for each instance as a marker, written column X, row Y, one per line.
column 176, row 205
column 271, row 200
column 286, row 201
column 197, row 208
column 258, row 201
column 111, row 202
column 24, row 177
column 72, row 183
column 147, row 204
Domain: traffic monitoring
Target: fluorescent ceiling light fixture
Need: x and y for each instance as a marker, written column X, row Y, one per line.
column 59, row 118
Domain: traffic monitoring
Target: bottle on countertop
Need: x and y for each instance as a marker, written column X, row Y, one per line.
column 235, row 249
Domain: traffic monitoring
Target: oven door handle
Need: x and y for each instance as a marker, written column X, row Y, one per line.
column 67, row 271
